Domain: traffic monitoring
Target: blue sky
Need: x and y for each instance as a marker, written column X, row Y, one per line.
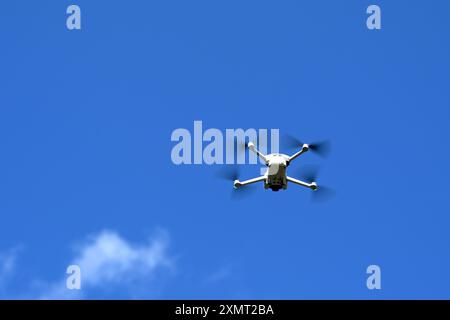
column 85, row 124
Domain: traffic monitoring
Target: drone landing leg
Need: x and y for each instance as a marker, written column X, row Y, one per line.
column 304, row 149
column 238, row 184
column 311, row 185
column 252, row 147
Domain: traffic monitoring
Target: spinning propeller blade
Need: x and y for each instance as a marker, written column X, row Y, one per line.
column 231, row 173
column 240, row 146
column 242, row 192
column 322, row 148
column 309, row 174
column 291, row 142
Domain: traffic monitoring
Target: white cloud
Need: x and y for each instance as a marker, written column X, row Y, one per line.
column 7, row 262
column 107, row 260
column 8, row 269
column 7, row 266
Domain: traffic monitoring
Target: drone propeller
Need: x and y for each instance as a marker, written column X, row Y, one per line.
column 310, row 174
column 241, row 192
column 231, row 173
column 322, row 148
column 241, row 146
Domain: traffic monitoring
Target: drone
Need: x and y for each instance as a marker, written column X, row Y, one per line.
column 275, row 177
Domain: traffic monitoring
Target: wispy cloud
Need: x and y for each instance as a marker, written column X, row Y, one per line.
column 7, row 266
column 108, row 261
column 8, row 263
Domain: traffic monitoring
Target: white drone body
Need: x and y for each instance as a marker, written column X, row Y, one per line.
column 275, row 177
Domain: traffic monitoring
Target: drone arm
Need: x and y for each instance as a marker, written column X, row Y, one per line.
column 252, row 147
column 311, row 185
column 304, row 149
column 238, row 184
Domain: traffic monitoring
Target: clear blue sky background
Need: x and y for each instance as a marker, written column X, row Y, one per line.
column 86, row 118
